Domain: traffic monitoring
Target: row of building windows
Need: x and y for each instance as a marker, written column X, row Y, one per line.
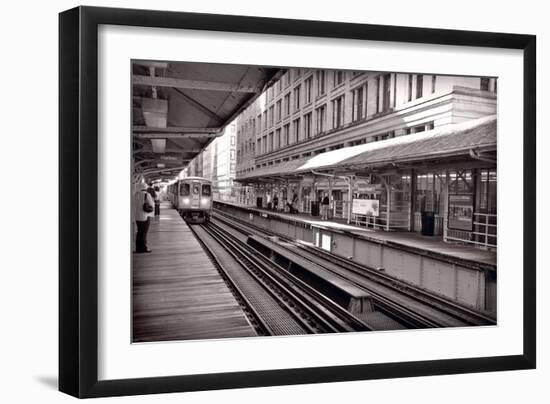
column 273, row 140
column 321, row 78
column 384, row 136
column 296, row 111
column 308, row 91
column 305, row 128
column 282, row 108
column 294, row 74
column 384, row 85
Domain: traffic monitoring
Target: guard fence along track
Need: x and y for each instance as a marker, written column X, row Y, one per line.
column 276, row 302
column 410, row 305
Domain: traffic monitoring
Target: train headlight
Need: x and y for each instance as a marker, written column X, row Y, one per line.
column 204, row 201
column 185, row 201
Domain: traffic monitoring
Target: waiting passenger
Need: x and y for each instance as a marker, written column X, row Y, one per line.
column 157, row 201
column 143, row 211
column 275, row 202
column 293, row 205
column 324, row 207
column 151, row 191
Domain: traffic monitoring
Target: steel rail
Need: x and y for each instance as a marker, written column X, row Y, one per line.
column 316, row 305
column 459, row 312
column 306, row 323
column 399, row 312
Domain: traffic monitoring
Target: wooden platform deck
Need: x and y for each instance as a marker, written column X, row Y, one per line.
column 177, row 292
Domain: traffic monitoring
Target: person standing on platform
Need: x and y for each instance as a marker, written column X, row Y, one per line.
column 157, row 201
column 275, row 202
column 294, row 204
column 151, row 191
column 144, row 207
column 324, row 207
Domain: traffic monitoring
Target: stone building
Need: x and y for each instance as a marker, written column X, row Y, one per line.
column 415, row 144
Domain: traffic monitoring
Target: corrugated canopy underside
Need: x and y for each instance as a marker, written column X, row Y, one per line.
column 185, row 105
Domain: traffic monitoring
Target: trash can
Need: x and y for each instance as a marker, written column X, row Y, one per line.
column 259, row 202
column 428, row 223
column 314, row 208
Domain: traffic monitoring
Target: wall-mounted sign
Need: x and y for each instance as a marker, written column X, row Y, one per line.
column 365, row 188
column 366, row 207
column 461, row 212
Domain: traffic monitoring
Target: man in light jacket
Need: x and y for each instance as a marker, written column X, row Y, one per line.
column 144, row 209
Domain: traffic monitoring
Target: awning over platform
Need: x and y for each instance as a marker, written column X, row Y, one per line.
column 477, row 136
column 179, row 107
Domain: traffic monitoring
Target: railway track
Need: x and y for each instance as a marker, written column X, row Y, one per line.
column 276, row 302
column 410, row 305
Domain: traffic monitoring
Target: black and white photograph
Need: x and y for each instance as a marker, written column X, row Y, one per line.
column 275, row 202
column 285, row 201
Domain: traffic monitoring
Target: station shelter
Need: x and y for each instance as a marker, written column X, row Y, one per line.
column 441, row 182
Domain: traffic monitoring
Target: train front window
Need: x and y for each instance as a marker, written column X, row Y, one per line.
column 206, row 190
column 195, row 188
column 184, row 189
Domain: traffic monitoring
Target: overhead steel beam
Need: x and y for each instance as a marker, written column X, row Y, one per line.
column 174, row 135
column 173, row 129
column 169, row 150
column 160, row 161
column 159, row 170
column 193, row 84
column 198, row 105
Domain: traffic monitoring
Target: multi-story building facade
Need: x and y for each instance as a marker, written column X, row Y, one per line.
column 309, row 113
column 217, row 162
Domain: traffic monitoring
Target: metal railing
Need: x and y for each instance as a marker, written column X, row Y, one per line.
column 379, row 222
column 484, row 233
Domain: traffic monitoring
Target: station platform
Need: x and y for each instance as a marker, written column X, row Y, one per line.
column 177, row 293
column 411, row 241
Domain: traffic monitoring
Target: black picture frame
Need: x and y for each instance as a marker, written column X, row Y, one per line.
column 78, row 206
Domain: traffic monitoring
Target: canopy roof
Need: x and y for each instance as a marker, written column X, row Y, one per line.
column 179, row 107
column 454, row 140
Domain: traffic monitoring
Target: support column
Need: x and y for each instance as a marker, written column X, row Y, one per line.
column 350, row 197
column 446, row 205
column 313, row 193
column 300, row 186
column 330, row 199
column 288, row 194
column 412, row 201
column 388, row 201
column 314, row 189
column 278, row 193
column 388, row 208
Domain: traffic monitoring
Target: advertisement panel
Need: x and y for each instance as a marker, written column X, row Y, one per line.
column 367, row 207
column 461, row 212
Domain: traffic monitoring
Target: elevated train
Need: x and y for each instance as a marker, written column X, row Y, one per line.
column 192, row 197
